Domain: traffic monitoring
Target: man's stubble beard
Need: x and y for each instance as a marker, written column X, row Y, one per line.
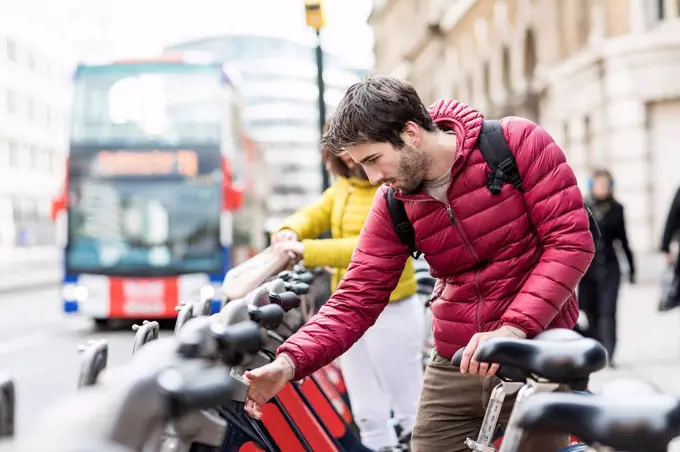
column 413, row 167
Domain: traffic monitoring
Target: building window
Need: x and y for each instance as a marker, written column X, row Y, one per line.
column 11, row 49
column 506, row 68
column 655, row 11
column 11, row 102
column 33, row 157
column 13, row 150
column 30, row 109
column 486, row 77
column 583, row 23
column 31, row 62
column 529, row 54
column 588, row 143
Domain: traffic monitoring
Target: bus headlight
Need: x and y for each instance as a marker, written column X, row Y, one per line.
column 207, row 292
column 69, row 292
column 81, row 293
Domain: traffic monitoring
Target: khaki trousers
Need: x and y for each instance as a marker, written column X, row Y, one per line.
column 452, row 407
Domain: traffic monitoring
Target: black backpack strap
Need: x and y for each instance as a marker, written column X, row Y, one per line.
column 498, row 156
column 402, row 224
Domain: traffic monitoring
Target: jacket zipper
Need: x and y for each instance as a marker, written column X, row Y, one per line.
column 454, row 221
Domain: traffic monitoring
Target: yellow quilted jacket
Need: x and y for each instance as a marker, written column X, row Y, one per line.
column 343, row 208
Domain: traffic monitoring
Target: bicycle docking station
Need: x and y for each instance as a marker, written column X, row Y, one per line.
column 145, row 333
column 93, row 361
column 7, row 406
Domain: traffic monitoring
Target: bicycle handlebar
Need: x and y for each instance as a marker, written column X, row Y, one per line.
column 506, row 373
column 299, row 288
column 269, row 316
column 287, row 300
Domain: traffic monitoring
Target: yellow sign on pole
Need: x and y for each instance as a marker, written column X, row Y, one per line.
column 315, row 14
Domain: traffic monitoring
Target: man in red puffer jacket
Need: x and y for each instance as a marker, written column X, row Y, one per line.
column 508, row 264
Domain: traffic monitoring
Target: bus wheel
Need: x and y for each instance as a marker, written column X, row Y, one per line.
column 101, row 324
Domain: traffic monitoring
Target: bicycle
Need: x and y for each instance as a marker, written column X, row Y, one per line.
column 555, row 358
column 627, row 415
column 167, row 379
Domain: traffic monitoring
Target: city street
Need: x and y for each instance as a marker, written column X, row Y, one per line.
column 38, row 346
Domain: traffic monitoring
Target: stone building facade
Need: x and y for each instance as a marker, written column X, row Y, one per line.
column 602, row 76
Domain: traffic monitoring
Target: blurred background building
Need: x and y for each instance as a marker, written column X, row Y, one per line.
column 602, row 76
column 278, row 84
column 39, row 46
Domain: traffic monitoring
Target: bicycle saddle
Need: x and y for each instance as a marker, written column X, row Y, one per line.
column 560, row 356
column 635, row 416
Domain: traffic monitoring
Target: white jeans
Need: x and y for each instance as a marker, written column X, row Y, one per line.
column 383, row 372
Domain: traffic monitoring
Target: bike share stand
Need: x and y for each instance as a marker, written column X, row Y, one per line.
column 187, row 311
column 7, row 406
column 94, row 359
column 144, row 333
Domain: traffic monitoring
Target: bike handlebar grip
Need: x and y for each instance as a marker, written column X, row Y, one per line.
column 200, row 388
column 289, row 300
column 458, row 357
column 237, row 340
column 305, row 277
column 286, row 275
column 506, row 373
column 298, row 288
column 269, row 316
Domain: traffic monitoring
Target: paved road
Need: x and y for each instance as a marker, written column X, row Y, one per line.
column 38, row 346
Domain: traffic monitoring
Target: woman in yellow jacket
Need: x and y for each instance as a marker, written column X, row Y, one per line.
column 383, row 370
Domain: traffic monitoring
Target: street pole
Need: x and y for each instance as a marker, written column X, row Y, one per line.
column 316, row 18
column 322, row 103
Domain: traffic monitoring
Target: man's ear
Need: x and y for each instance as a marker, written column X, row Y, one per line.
column 411, row 134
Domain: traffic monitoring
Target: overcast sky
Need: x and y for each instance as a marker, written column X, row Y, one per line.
column 145, row 25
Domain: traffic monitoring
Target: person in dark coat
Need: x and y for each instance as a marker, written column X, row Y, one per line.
column 671, row 230
column 599, row 289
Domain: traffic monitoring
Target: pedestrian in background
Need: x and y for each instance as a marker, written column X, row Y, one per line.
column 599, row 289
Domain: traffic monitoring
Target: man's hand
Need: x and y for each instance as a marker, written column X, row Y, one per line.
column 264, row 383
column 284, row 235
column 295, row 250
column 470, row 364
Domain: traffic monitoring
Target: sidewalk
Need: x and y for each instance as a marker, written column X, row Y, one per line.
column 30, row 267
column 649, row 343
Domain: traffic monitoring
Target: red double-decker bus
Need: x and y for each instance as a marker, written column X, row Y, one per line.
column 145, row 218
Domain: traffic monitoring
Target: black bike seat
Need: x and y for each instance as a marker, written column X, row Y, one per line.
column 621, row 420
column 559, row 356
column 505, row 373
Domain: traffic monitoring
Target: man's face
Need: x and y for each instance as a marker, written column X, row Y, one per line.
column 403, row 169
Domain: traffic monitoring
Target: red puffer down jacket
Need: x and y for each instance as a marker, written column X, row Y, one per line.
column 508, row 259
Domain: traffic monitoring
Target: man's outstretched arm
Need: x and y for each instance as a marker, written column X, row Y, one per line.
column 377, row 264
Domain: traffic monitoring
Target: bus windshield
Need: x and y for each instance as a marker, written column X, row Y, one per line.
column 156, row 103
column 143, row 227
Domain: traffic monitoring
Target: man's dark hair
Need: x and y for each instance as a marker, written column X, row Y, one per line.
column 375, row 110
